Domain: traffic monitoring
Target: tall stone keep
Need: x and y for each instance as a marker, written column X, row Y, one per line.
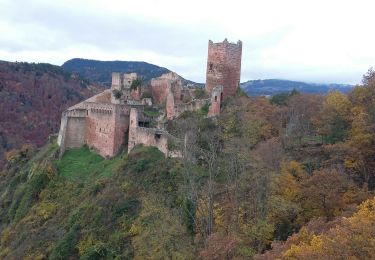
column 224, row 66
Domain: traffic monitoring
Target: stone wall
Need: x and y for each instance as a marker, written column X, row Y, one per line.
column 116, row 81
column 106, row 126
column 174, row 109
column 216, row 99
column 102, row 126
column 149, row 136
column 72, row 132
column 161, row 85
column 224, row 66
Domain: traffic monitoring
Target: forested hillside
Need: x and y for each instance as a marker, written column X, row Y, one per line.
column 32, row 98
column 101, row 71
column 290, row 178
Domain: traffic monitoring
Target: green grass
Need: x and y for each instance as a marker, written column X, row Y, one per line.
column 82, row 165
column 151, row 113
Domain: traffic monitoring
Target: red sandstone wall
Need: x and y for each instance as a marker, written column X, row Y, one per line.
column 106, row 127
column 101, row 132
column 136, row 94
column 224, row 66
column 159, row 90
column 170, row 106
column 160, row 86
column 216, row 98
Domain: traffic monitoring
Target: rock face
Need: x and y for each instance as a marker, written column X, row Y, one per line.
column 224, row 67
column 32, row 98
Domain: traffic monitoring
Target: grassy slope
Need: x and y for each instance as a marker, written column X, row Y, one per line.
column 91, row 208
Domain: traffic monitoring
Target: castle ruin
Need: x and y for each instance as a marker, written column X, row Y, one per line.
column 224, row 67
column 104, row 121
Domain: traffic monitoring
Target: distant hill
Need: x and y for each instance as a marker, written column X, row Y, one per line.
column 275, row 86
column 101, row 71
column 32, row 98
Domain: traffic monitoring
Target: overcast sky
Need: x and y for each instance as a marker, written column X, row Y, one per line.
column 315, row 41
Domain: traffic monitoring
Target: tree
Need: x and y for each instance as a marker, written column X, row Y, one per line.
column 333, row 119
column 299, row 114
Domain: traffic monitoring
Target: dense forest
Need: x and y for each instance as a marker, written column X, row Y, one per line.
column 32, row 98
column 291, row 177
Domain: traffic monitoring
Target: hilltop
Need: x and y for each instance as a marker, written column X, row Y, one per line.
column 260, row 174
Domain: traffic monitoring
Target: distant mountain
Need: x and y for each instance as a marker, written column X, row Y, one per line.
column 275, row 86
column 101, row 71
column 32, row 97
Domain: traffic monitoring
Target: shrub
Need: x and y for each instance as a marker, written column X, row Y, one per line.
column 32, row 190
column 117, row 93
column 65, row 246
column 136, row 83
column 141, row 165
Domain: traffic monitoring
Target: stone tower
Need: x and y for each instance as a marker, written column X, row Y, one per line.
column 116, row 81
column 224, row 66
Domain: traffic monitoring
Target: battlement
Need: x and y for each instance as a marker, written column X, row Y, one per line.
column 77, row 112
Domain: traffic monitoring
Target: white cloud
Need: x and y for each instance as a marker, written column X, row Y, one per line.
column 316, row 41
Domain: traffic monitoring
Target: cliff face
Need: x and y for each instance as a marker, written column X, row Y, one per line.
column 32, row 97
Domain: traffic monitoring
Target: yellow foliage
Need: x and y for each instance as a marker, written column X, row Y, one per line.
column 35, row 256
column 85, row 243
column 354, row 238
column 134, row 230
column 125, row 186
column 45, row 210
column 218, row 215
column 337, row 102
column 289, row 186
column 4, row 252
column 5, row 236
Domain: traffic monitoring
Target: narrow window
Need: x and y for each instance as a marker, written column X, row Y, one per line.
column 211, row 66
column 215, row 98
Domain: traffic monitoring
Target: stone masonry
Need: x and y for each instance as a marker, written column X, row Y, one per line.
column 224, row 66
column 102, row 121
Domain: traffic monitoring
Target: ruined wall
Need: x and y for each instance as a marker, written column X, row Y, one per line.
column 129, row 78
column 135, row 94
column 170, row 106
column 148, row 136
column 159, row 89
column 116, row 81
column 216, row 99
column 174, row 110
column 160, row 86
column 224, row 66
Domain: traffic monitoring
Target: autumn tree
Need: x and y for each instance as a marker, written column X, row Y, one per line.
column 333, row 119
